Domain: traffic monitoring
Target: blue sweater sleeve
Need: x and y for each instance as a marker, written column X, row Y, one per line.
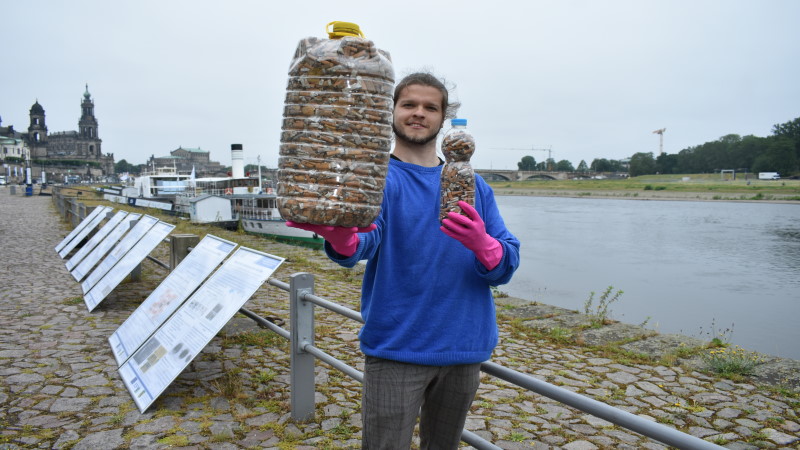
column 496, row 227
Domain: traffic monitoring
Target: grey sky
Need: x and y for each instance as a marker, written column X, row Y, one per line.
column 589, row 79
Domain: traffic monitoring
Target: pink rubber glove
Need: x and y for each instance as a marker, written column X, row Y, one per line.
column 343, row 239
column 471, row 231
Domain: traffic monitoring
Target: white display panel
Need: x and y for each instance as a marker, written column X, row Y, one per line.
column 123, row 246
column 85, row 231
column 124, row 266
column 104, row 246
column 162, row 357
column 96, row 239
column 95, row 212
column 169, row 295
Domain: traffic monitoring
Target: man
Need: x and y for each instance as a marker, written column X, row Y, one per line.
column 426, row 298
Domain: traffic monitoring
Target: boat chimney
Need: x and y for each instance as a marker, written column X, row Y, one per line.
column 237, row 161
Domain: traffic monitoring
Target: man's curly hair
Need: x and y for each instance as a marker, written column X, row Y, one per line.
column 428, row 79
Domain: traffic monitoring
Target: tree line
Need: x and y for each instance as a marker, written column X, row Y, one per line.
column 778, row 152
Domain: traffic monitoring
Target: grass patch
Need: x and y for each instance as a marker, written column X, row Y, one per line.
column 229, row 384
column 787, row 189
column 731, row 361
column 262, row 338
column 174, row 441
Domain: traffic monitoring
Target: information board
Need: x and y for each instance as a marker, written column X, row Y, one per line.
column 123, row 246
column 124, row 266
column 169, row 295
column 162, row 357
column 85, row 231
column 104, row 246
column 95, row 212
column 96, row 239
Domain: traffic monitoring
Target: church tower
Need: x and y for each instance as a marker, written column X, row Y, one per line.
column 37, row 132
column 87, row 127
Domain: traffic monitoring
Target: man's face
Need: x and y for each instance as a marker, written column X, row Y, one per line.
column 418, row 114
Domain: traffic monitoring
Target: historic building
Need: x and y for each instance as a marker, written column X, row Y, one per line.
column 82, row 147
column 186, row 159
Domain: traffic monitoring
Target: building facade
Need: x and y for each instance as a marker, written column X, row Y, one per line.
column 186, row 159
column 77, row 151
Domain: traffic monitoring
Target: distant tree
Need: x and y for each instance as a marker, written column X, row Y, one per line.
column 549, row 165
column 124, row 166
column 748, row 153
column 642, row 164
column 527, row 163
column 583, row 167
column 565, row 166
column 745, row 152
column 779, row 156
column 789, row 130
column 602, row 165
column 666, row 163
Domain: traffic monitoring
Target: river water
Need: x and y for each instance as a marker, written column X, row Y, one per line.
column 692, row 268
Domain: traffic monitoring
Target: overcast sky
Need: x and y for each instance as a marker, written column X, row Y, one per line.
column 587, row 79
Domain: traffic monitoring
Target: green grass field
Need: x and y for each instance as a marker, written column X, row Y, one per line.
column 707, row 183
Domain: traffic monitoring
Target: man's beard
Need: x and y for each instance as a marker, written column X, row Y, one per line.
column 417, row 141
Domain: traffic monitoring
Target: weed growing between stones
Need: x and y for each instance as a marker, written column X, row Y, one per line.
column 497, row 293
column 731, row 361
column 599, row 315
column 717, row 336
column 229, row 385
column 260, row 339
column 73, row 301
column 174, row 440
column 725, row 360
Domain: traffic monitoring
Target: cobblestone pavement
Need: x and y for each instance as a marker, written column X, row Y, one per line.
column 59, row 386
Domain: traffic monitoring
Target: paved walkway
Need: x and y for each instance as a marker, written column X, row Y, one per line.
column 59, row 386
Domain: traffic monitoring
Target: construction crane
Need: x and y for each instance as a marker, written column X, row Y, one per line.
column 549, row 151
column 660, row 134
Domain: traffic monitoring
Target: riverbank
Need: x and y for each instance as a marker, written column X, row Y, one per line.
column 647, row 195
column 59, row 387
column 659, row 187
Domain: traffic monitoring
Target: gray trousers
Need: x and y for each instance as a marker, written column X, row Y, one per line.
column 396, row 393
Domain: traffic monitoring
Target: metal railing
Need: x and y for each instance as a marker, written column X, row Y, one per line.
column 301, row 336
column 303, row 352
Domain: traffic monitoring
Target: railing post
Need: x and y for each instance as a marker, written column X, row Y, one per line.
column 179, row 248
column 301, row 318
column 72, row 205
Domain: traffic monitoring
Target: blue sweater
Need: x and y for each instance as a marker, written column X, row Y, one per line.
column 426, row 299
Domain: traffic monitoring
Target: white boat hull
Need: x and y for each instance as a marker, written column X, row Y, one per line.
column 277, row 228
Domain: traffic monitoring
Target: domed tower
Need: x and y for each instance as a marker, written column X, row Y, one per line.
column 37, row 131
column 87, row 126
column 88, row 123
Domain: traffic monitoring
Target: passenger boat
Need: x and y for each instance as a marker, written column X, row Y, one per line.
column 259, row 214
